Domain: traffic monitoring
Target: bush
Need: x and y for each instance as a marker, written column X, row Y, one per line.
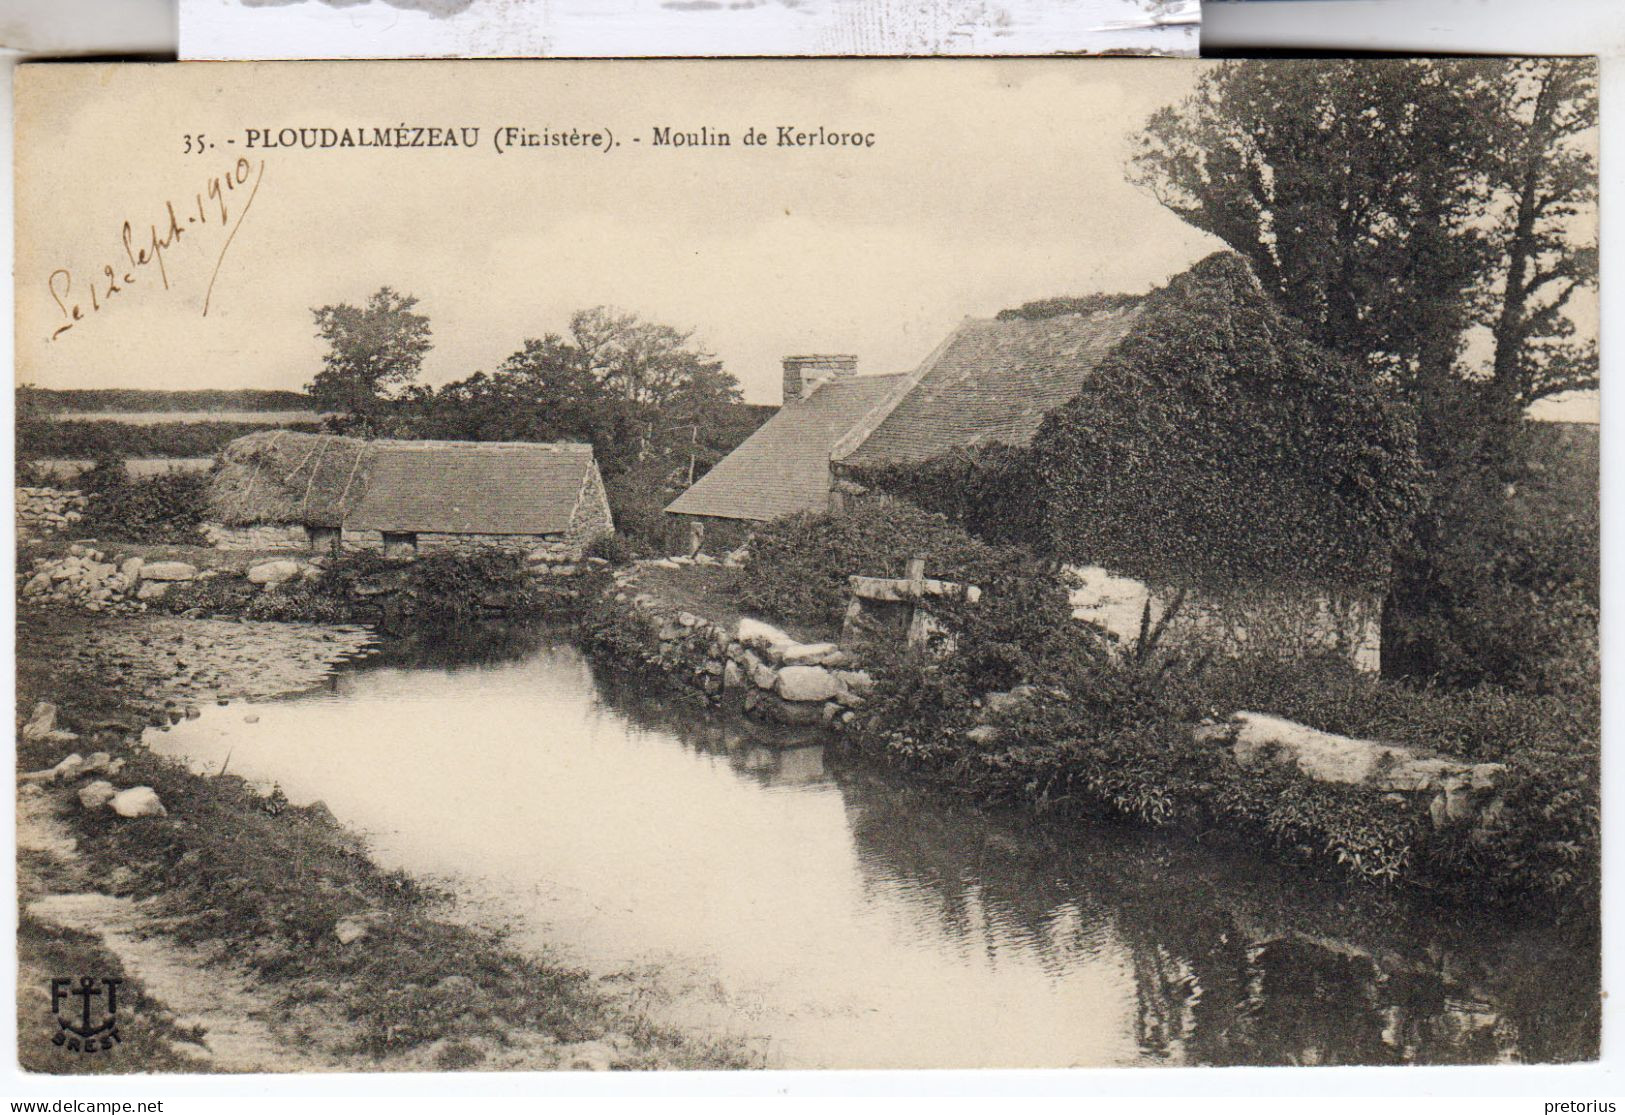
column 434, row 586
column 1548, row 846
column 638, row 499
column 1112, row 737
column 610, row 547
column 797, row 567
column 1502, row 585
column 209, row 596
column 167, row 508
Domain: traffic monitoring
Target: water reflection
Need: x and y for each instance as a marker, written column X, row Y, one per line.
column 841, row 917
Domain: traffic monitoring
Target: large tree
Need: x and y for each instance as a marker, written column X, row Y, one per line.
column 1544, row 173
column 1433, row 220
column 1395, row 207
column 372, row 352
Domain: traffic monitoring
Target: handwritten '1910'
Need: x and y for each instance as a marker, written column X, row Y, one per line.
column 144, row 250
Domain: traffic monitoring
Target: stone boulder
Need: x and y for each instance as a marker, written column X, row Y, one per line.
column 41, row 722
column 995, row 704
column 807, row 683
column 764, row 637
column 857, row 681
column 96, row 795
column 168, row 571
column 1260, row 740
column 138, row 801
column 810, row 654
column 762, row 675
column 351, row 929
column 273, row 572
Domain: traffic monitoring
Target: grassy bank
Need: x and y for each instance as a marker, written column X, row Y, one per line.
column 365, row 965
column 1105, row 732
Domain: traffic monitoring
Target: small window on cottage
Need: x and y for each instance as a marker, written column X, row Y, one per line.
column 323, row 540
column 400, row 544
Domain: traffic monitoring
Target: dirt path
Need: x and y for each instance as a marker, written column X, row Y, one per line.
column 202, row 991
column 264, row 931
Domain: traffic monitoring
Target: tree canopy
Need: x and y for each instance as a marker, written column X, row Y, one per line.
column 1396, row 206
column 1435, row 221
column 372, row 352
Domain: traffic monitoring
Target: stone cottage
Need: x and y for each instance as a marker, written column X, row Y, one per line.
column 992, row 381
column 278, row 490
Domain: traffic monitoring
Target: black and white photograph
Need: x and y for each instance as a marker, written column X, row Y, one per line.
column 807, row 564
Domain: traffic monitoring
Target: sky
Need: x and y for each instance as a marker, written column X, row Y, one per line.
column 988, row 184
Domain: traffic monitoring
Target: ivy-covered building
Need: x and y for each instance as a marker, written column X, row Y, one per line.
column 996, row 382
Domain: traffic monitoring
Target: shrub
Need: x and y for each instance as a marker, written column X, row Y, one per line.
column 1111, row 735
column 438, row 585
column 637, row 499
column 611, row 547
column 167, row 508
column 1502, row 585
column 209, row 596
column 797, row 567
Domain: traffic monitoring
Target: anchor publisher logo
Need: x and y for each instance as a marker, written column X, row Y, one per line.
column 97, row 998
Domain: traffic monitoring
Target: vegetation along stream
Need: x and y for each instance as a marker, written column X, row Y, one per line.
column 831, row 915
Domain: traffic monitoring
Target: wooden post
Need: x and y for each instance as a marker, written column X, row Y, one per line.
column 917, row 633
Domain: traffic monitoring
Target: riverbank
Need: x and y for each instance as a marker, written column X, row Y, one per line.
column 314, row 957
column 1479, row 798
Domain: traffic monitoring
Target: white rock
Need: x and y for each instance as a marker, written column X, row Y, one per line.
column 132, row 568
column 350, row 930
column 806, row 683
column 138, row 801
column 95, row 795
column 151, row 590
column 41, row 723
column 764, row 636
column 809, row 654
column 273, row 572
column 858, row 681
column 168, row 571
column 98, row 762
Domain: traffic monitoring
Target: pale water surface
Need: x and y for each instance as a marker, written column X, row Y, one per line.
column 835, row 917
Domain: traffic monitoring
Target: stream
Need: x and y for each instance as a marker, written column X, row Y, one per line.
column 831, row 915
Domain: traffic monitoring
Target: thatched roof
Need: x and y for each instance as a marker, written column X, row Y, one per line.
column 457, row 487
column 277, row 476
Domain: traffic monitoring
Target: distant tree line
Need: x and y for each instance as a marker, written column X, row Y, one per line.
column 44, row 401
column 103, row 439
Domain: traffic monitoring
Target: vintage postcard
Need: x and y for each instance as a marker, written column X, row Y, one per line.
column 807, row 564
column 256, row 29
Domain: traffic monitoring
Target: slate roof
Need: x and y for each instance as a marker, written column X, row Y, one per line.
column 991, row 381
column 783, row 467
column 465, row 487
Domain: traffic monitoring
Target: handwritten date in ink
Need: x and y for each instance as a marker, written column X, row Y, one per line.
column 144, row 248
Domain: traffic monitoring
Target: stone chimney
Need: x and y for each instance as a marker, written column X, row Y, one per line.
column 804, row 374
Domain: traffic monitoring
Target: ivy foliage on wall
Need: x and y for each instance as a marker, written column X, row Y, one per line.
column 1215, row 445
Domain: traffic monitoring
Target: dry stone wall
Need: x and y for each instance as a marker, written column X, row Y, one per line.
column 751, row 666
column 42, row 512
